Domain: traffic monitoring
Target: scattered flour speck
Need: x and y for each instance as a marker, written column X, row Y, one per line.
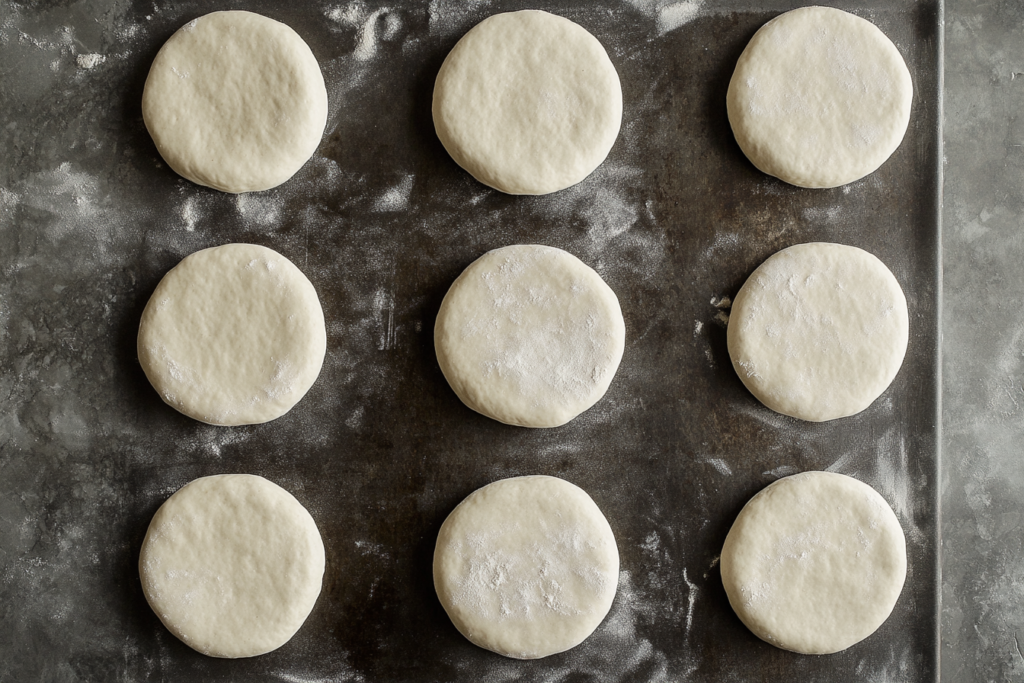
column 395, row 198
column 671, row 17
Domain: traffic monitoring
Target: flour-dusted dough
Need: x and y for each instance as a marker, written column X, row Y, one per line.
column 814, row 562
column 819, row 331
column 819, row 98
column 526, row 567
column 529, row 335
column 232, row 564
column 233, row 335
column 235, row 101
column 528, row 102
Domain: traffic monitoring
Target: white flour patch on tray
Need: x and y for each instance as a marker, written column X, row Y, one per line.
column 396, row 197
column 189, row 213
column 69, row 194
column 670, row 14
column 90, row 61
column 312, row 660
column 372, row 27
column 211, row 441
column 258, row 208
column 608, row 215
column 719, row 464
column 818, row 214
column 449, row 18
column 615, row 221
column 724, row 241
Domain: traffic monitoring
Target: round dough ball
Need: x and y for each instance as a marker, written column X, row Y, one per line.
column 814, row 562
column 235, row 101
column 819, row 331
column 526, row 567
column 233, row 335
column 529, row 335
column 232, row 564
column 528, row 102
column 819, row 98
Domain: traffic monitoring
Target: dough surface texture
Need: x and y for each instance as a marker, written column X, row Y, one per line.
column 819, row 331
column 528, row 102
column 235, row 101
column 232, row 564
column 233, row 335
column 819, row 98
column 529, row 335
column 814, row 562
column 526, row 567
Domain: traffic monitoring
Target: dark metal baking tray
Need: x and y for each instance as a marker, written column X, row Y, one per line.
column 381, row 450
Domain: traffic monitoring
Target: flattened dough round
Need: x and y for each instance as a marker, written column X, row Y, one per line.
column 814, row 562
column 233, row 335
column 232, row 564
column 526, row 567
column 235, row 101
column 528, row 102
column 529, row 335
column 819, row 98
column 819, row 331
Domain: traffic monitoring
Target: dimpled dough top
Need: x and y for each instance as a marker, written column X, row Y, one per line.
column 233, row 335
column 819, row 331
column 526, row 567
column 529, row 335
column 235, row 101
column 814, row 562
column 819, row 98
column 232, row 564
column 528, row 102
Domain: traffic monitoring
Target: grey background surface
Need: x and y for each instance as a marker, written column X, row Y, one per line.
column 983, row 344
column 87, row 451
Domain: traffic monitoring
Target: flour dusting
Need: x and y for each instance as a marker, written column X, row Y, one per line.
column 259, row 208
column 453, row 17
column 670, row 14
column 720, row 465
column 671, row 17
column 90, row 61
column 372, row 27
column 396, row 197
column 608, row 216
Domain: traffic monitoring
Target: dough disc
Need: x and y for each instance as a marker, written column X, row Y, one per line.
column 232, row 564
column 528, row 102
column 819, row 331
column 814, row 562
column 526, row 567
column 529, row 335
column 235, row 101
column 233, row 335
column 819, row 98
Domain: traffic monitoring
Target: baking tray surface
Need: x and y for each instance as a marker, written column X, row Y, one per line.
column 382, row 221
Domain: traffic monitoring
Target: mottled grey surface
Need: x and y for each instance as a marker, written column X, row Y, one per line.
column 983, row 343
column 89, row 221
